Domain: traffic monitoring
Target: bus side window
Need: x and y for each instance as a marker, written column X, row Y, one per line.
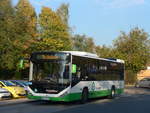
column 78, row 74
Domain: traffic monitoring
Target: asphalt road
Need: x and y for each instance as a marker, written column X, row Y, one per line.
column 135, row 100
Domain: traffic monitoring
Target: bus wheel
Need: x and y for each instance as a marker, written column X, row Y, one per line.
column 84, row 97
column 113, row 93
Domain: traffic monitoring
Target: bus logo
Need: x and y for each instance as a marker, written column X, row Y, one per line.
column 93, row 86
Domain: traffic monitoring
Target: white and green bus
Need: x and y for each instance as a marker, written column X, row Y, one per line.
column 73, row 75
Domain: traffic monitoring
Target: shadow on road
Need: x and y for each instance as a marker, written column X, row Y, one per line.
column 51, row 103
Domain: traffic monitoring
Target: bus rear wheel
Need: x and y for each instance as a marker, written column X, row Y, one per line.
column 113, row 93
column 84, row 96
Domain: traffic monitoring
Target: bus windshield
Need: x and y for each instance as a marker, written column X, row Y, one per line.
column 51, row 67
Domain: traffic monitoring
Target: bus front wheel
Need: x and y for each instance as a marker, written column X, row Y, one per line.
column 84, row 96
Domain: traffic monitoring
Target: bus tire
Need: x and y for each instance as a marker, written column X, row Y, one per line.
column 84, row 96
column 113, row 93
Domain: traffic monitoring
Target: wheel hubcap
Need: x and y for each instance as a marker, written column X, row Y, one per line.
column 113, row 93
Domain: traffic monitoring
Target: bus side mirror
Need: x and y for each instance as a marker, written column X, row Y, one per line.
column 21, row 64
column 74, row 68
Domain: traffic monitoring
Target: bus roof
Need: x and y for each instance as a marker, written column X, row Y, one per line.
column 80, row 53
column 91, row 55
column 84, row 54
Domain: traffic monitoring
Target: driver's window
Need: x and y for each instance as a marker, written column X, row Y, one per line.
column 66, row 71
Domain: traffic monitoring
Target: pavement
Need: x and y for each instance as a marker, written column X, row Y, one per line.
column 14, row 101
column 133, row 100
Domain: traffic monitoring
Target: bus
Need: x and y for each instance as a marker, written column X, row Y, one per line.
column 74, row 75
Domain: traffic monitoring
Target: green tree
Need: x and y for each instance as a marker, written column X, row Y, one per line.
column 6, row 33
column 90, row 45
column 134, row 49
column 8, row 50
column 78, row 42
column 52, row 29
column 104, row 51
column 83, row 43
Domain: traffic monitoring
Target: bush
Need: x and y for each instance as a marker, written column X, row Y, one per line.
column 130, row 77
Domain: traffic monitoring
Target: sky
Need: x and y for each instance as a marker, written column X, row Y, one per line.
column 102, row 19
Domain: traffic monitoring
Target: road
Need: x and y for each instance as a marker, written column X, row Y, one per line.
column 135, row 100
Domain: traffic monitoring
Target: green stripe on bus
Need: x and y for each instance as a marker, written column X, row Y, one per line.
column 76, row 96
column 94, row 94
column 67, row 98
column 103, row 93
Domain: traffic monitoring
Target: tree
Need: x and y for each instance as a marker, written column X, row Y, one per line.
column 17, row 28
column 25, row 32
column 7, row 36
column 6, row 33
column 63, row 12
column 90, row 45
column 83, row 43
column 134, row 49
column 46, row 44
column 78, row 42
column 52, row 29
column 104, row 51
column 26, row 22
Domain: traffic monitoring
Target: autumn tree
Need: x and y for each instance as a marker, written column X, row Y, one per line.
column 26, row 22
column 24, row 31
column 17, row 28
column 53, row 32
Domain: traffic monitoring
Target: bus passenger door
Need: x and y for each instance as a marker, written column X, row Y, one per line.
column 76, row 74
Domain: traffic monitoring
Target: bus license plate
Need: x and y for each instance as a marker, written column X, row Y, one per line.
column 45, row 98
